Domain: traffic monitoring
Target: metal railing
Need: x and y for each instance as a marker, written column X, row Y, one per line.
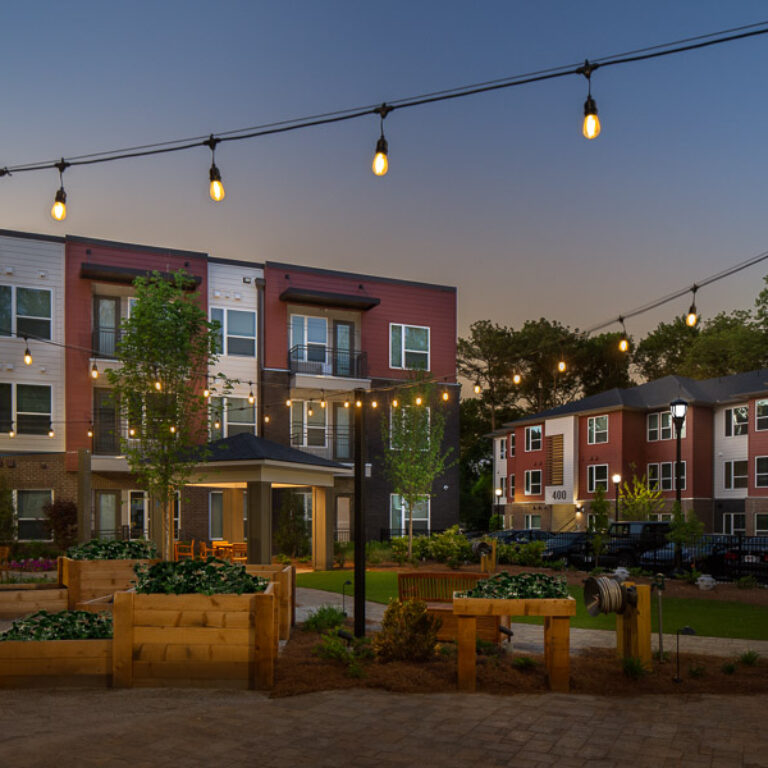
column 104, row 342
column 322, row 360
column 334, row 443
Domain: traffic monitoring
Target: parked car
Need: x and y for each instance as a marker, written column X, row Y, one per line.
column 702, row 555
column 624, row 544
column 569, row 546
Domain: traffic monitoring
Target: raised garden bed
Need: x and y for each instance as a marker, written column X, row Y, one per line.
column 284, row 576
column 22, row 599
column 87, row 580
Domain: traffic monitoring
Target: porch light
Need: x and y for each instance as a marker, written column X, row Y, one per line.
column 217, row 424
column 206, row 391
column 322, row 403
column 678, row 408
column 172, row 429
column 131, row 432
column 310, row 410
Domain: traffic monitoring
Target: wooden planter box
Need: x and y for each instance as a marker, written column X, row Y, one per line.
column 195, row 640
column 55, row 662
column 88, row 579
column 284, row 576
column 22, row 599
column 557, row 614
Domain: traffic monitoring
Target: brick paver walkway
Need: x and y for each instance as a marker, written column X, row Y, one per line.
column 184, row 728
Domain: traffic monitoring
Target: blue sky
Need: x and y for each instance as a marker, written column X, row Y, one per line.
column 498, row 194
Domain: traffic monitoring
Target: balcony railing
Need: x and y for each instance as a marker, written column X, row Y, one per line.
column 321, row 360
column 334, row 443
column 104, row 342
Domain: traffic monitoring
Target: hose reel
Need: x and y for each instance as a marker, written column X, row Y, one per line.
column 606, row 595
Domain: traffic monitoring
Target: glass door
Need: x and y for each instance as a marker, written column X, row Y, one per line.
column 138, row 515
column 343, row 348
column 108, row 514
column 106, row 324
column 342, row 433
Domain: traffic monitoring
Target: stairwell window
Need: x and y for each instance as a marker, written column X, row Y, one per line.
column 237, row 331
column 409, row 347
column 736, row 421
column 597, row 430
column 532, row 482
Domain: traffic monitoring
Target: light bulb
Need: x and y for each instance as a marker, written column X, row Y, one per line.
column 172, row 429
column 51, row 433
column 288, row 403
column 266, row 419
column 517, row 378
column 418, row 401
column 478, row 389
column 94, row 372
column 131, row 432
column 27, row 357
column 310, row 412
column 394, row 403
column 90, row 431
column 380, row 164
column 158, row 385
column 591, row 129
column 206, row 393
column 217, row 424
column 374, row 404
column 623, row 345
column 346, row 403
column 359, row 403
column 691, row 318
column 251, row 398
column 59, row 209
column 561, row 366
column 11, row 432
column 217, row 188
column 446, row 396
column 322, row 403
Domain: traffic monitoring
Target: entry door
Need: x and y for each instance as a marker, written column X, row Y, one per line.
column 138, row 515
column 106, row 311
column 342, row 432
column 343, row 344
column 108, row 514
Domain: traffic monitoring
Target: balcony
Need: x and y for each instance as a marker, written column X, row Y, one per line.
column 322, row 360
column 333, row 443
column 104, row 342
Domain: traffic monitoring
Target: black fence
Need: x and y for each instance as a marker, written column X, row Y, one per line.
column 385, row 534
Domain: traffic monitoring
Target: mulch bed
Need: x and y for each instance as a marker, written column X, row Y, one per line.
column 595, row 672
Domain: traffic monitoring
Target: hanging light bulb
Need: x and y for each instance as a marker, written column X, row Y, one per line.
column 623, row 341
column 346, row 403
column 380, row 164
column 692, row 317
column 217, row 424
column 591, row 127
column 59, row 208
column 358, row 403
column 446, row 396
column 374, row 404
column 51, row 433
column 394, row 403
column 90, row 430
column 478, row 389
column 27, row 353
column 322, row 403
column 266, row 419
column 217, row 188
column 11, row 431
column 206, row 390
column 288, row 403
column 251, row 398
column 172, row 429
column 517, row 378
column 131, row 432
column 561, row 366
column 94, row 371
column 310, row 410
column 419, row 400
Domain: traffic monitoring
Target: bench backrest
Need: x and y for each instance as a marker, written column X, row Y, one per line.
column 434, row 586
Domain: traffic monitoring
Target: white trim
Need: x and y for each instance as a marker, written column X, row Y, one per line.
column 528, row 430
column 592, row 487
column 16, row 492
column 14, row 311
column 404, row 367
column 733, row 487
column 225, row 334
column 593, row 419
column 527, row 488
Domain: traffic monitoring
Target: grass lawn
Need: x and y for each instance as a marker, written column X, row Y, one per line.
column 712, row 618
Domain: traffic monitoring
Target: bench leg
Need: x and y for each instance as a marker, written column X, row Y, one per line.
column 467, row 653
column 557, row 652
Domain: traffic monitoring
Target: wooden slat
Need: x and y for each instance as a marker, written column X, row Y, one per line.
column 55, row 666
column 557, row 649
column 264, row 642
column 122, row 640
column 192, row 602
column 175, row 618
column 483, row 606
column 191, row 635
column 193, row 670
column 54, row 649
column 467, row 653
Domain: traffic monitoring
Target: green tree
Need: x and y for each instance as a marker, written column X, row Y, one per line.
column 415, row 459
column 599, row 507
column 663, row 351
column 291, row 534
column 61, row 518
column 683, row 530
column 600, row 364
column 7, row 513
column 638, row 501
column 165, row 348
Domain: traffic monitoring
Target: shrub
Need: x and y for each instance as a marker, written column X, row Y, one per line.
column 305, row 559
column 61, row 520
column 420, row 547
column 529, row 553
column 350, row 652
column 7, row 513
column 106, row 549
column 691, row 576
column 633, row 668
column 696, row 671
column 283, row 559
column 291, row 535
column 377, row 552
column 486, row 648
column 496, row 523
column 507, row 554
column 34, row 550
column 749, row 658
column 451, row 546
column 520, row 587
column 65, row 625
column 342, row 551
column 408, row 632
column 728, row 668
column 326, row 617
column 524, row 663
column 399, row 547
column 207, row 577
column 746, row 582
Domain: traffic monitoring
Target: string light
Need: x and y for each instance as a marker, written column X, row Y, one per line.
column 322, row 402
column 266, row 418
column 310, row 410
column 346, row 403
column 94, row 371
column 11, row 431
column 591, row 127
column 692, row 317
column 623, row 341
column 251, row 398
column 51, row 433
column 418, row 400
column 27, row 353
column 478, row 388
column 517, row 378
column 90, row 430
column 131, row 432
column 206, row 390
column 288, row 403
column 172, row 429
column 217, row 188
column 374, row 404
column 445, row 396
column 59, row 208
column 359, row 403
column 394, row 403
column 380, row 164
column 561, row 366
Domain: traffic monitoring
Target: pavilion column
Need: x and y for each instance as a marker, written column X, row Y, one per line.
column 259, row 538
column 323, row 515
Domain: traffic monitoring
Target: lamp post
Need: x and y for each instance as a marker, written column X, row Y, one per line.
column 684, row 631
column 497, row 492
column 678, row 410
column 617, row 482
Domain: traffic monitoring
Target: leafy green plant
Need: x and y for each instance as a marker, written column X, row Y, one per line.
column 350, row 652
column 749, row 658
column 408, row 632
column 399, row 547
column 633, row 668
column 746, row 582
column 105, row 549
column 486, row 648
column 496, row 523
column 728, row 668
column 638, row 501
column 325, row 618
column 598, row 524
column 683, row 530
column 61, row 520
column 7, row 513
column 207, row 577
column 450, row 546
column 691, row 576
column 65, row 625
column 342, row 551
column 522, row 586
column 305, row 559
column 696, row 671
column 524, row 663
column 558, row 565
column 420, row 547
column 291, row 533
column 283, row 559
column 507, row 554
column 377, row 552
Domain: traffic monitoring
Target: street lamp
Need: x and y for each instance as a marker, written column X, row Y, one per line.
column 678, row 410
column 498, row 502
column 617, row 482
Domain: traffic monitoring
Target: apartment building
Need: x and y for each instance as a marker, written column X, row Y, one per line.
column 295, row 341
column 549, row 465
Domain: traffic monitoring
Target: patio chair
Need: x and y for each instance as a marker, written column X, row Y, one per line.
column 184, row 550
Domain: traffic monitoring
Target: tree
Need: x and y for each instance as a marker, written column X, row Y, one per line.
column 165, row 348
column 61, row 518
column 638, row 501
column 291, row 535
column 598, row 525
column 7, row 513
column 663, row 351
column 601, row 365
column 415, row 459
column 683, row 530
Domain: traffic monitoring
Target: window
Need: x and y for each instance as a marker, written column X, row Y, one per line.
column 761, row 471
column 6, row 407
column 761, row 524
column 409, row 347
column 30, row 517
column 532, row 482
column 399, row 519
column 533, row 521
column 215, row 515
column 502, row 449
column 307, row 423
column 661, row 427
column 597, row 430
column 533, row 438
column 138, row 511
column 597, row 477
column 761, row 414
column 661, row 517
column 25, row 312
column 735, row 474
column 661, row 476
column 33, row 409
column 238, row 328
column 511, row 488
column 177, row 515
column 106, row 440
column 511, row 444
column 736, row 420
column 106, row 325
column 503, row 487
column 309, row 338
column 233, row 415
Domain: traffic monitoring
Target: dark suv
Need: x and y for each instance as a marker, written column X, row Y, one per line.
column 625, row 542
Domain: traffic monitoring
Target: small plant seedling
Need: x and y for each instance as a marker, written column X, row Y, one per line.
column 696, row 671
column 633, row 668
column 728, row 668
column 523, row 663
column 749, row 658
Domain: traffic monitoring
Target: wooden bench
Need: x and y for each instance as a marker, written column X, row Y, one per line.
column 436, row 590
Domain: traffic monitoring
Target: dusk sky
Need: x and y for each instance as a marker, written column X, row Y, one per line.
column 498, row 194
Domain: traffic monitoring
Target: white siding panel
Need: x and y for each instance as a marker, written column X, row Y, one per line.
column 727, row 449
